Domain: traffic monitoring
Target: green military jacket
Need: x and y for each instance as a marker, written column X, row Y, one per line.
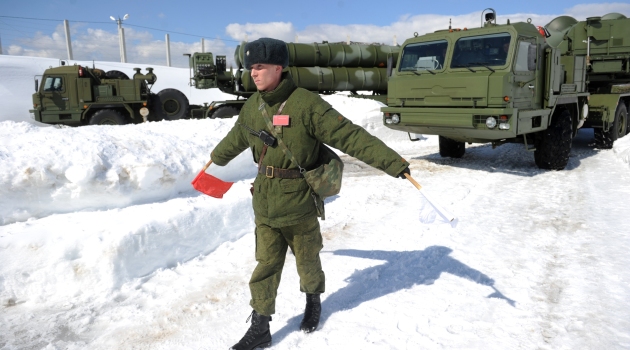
column 284, row 202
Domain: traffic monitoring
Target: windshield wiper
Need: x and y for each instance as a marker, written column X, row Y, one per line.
column 430, row 71
column 467, row 66
column 483, row 65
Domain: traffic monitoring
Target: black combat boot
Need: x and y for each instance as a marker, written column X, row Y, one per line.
column 311, row 313
column 257, row 336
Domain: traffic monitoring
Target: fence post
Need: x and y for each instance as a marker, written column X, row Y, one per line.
column 168, row 51
column 68, row 40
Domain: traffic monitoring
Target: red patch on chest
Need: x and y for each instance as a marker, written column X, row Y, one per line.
column 281, row 120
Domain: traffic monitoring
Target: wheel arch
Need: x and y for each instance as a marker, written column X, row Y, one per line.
column 124, row 109
column 572, row 107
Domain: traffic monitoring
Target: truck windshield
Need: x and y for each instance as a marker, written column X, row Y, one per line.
column 423, row 56
column 53, row 84
column 481, row 51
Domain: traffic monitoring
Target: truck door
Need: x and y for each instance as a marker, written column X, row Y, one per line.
column 54, row 94
column 525, row 74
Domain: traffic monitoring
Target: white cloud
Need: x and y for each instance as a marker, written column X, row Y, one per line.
column 405, row 26
column 144, row 48
column 251, row 31
column 583, row 11
column 102, row 45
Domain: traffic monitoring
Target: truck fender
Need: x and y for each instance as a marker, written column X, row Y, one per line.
column 607, row 105
column 88, row 112
column 569, row 103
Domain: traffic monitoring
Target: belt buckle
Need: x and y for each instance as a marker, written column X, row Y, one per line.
column 269, row 171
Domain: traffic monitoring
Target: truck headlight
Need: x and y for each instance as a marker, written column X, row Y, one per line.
column 504, row 126
column 491, row 122
column 395, row 119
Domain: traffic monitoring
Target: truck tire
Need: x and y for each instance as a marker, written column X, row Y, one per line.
column 619, row 128
column 554, row 145
column 451, row 148
column 107, row 117
column 170, row 104
column 225, row 112
column 116, row 74
column 621, row 116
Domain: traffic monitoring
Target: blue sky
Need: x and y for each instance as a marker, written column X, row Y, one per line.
column 224, row 24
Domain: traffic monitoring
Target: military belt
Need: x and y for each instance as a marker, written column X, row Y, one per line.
column 271, row 172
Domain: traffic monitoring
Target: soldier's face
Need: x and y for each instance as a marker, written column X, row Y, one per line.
column 266, row 76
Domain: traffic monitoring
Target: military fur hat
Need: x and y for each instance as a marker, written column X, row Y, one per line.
column 267, row 51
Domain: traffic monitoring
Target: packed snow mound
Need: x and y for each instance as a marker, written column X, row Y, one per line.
column 49, row 170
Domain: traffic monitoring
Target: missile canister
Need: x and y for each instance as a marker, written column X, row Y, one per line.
column 330, row 79
column 333, row 55
column 340, row 55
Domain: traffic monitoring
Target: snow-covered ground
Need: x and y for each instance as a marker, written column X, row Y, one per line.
column 105, row 245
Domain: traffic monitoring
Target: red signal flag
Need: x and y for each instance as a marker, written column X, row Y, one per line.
column 210, row 185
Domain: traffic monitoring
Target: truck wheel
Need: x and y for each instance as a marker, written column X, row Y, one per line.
column 621, row 116
column 170, row 104
column 451, row 148
column 554, row 145
column 619, row 128
column 108, row 117
column 116, row 74
column 225, row 112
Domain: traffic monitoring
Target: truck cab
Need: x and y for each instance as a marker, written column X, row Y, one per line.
column 72, row 95
column 515, row 83
column 455, row 82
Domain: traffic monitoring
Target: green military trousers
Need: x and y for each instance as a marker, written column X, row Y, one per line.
column 305, row 241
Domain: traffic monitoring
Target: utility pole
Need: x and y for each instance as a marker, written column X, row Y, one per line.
column 0, row 45
column 68, row 40
column 168, row 51
column 203, row 45
column 121, row 37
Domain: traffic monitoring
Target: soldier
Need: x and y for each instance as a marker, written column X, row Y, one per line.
column 286, row 214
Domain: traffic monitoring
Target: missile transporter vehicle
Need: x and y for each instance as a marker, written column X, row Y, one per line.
column 76, row 95
column 323, row 68
column 515, row 83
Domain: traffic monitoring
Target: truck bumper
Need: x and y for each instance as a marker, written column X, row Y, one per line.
column 35, row 114
column 465, row 124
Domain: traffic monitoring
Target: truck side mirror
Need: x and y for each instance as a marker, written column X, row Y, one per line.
column 36, row 85
column 531, row 57
column 390, row 65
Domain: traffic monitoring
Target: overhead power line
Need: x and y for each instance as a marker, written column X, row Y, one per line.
column 126, row 24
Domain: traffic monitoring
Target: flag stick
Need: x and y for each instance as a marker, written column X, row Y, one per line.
column 207, row 164
column 445, row 214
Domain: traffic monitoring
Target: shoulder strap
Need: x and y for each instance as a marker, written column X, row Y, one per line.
column 285, row 149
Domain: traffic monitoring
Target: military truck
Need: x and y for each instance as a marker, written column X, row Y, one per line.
column 324, row 68
column 76, row 95
column 515, row 83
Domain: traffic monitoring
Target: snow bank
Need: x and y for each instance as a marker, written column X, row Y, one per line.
column 621, row 147
column 47, row 170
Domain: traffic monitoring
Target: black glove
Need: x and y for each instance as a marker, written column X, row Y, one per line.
column 402, row 173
